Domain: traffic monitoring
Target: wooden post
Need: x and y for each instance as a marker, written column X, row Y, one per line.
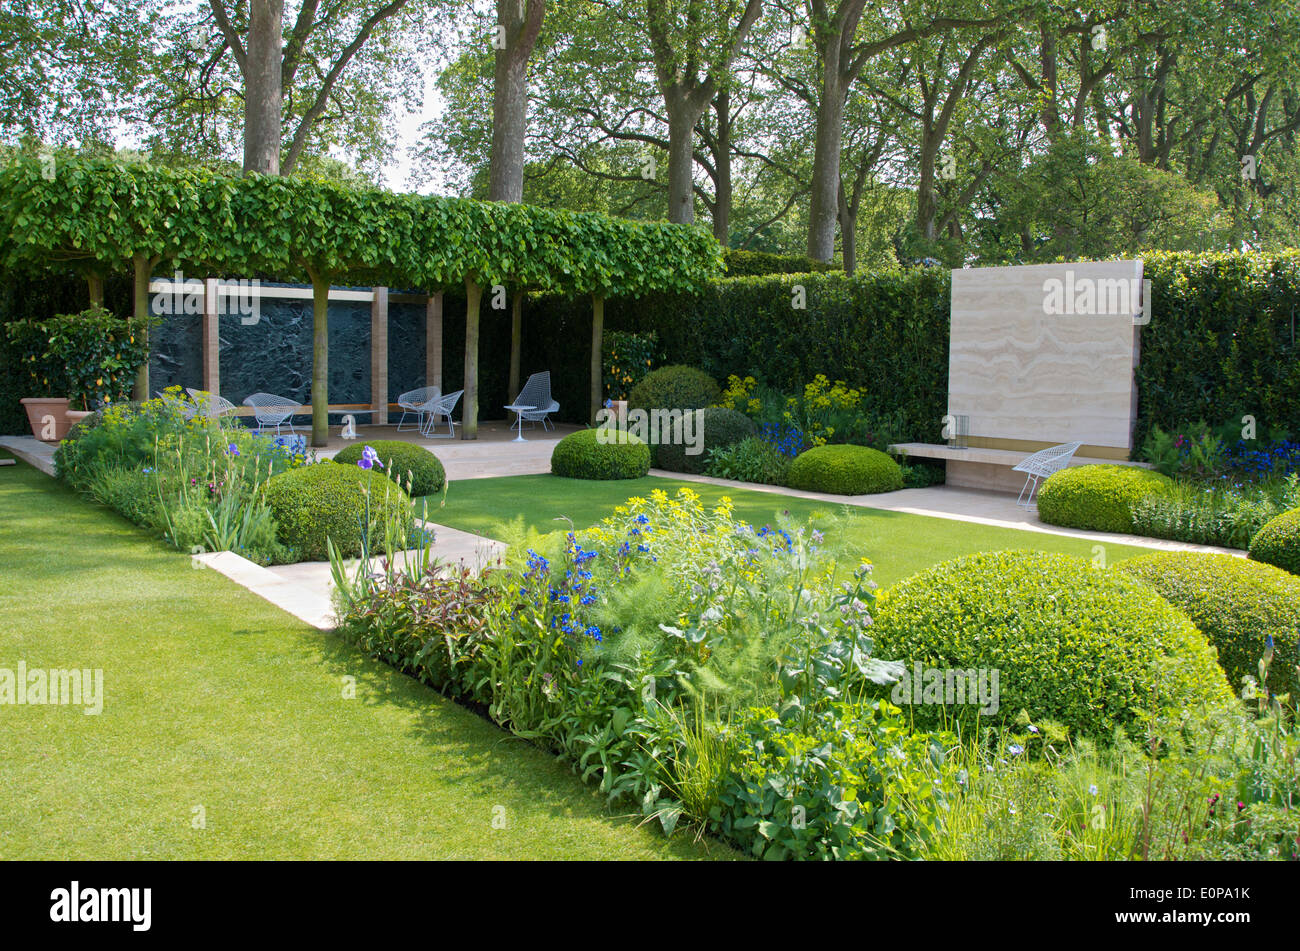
column 211, row 337
column 474, row 298
column 142, row 267
column 320, row 362
column 433, row 341
column 516, row 341
column 597, row 336
column 379, row 357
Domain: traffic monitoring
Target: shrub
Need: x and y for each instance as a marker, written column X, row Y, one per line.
column 1087, row 648
column 755, row 263
column 750, row 460
column 850, row 781
column 1278, row 542
column 716, row 428
column 1218, row 513
column 582, row 455
column 845, row 470
column 1100, row 498
column 674, row 387
column 628, row 357
column 341, row 503
column 404, row 463
column 1237, row 604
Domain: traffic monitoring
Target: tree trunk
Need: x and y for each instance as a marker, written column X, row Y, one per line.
column 263, row 93
column 722, row 166
column 320, row 359
column 823, row 207
column 681, row 161
column 597, row 342
column 142, row 267
column 927, row 203
column 516, row 341
column 848, row 218
column 95, row 288
column 510, row 98
column 473, row 300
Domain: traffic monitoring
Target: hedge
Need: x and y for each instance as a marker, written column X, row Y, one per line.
column 716, row 427
column 583, row 455
column 403, row 462
column 845, row 470
column 1278, row 542
column 328, row 500
column 1098, row 498
column 737, row 263
column 1237, row 604
column 1085, row 647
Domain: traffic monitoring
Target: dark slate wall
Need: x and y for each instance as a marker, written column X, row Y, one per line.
column 274, row 355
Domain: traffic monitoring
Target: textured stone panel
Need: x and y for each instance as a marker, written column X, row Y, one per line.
column 1021, row 373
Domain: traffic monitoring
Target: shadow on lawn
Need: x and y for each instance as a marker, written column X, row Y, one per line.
column 485, row 755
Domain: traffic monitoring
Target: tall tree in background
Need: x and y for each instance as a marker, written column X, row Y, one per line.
column 286, row 84
column 694, row 46
column 518, row 24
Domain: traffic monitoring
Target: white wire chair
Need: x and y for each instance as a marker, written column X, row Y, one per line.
column 537, row 393
column 272, row 411
column 440, row 407
column 211, row 404
column 412, row 401
column 1040, row 466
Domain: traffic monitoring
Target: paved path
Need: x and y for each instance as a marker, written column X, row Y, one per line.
column 963, row 505
column 306, row 589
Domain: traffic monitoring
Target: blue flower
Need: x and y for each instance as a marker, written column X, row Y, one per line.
column 1015, row 749
column 369, row 459
column 233, row 450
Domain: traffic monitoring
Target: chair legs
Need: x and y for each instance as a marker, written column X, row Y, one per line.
column 1031, row 484
column 428, row 429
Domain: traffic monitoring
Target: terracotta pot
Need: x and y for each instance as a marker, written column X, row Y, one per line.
column 75, row 416
column 47, row 416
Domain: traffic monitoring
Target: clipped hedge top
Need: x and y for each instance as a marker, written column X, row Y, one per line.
column 1084, row 646
column 1278, row 542
column 1237, row 604
column 402, row 462
column 98, row 212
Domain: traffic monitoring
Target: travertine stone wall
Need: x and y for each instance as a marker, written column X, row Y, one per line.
column 1045, row 353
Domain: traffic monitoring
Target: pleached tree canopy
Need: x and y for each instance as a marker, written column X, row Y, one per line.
column 97, row 215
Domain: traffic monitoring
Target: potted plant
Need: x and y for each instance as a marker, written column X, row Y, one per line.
column 91, row 356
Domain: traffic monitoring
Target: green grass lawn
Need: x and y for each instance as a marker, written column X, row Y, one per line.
column 216, row 699
column 898, row 543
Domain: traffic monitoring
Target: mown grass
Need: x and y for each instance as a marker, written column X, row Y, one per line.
column 898, row 543
column 216, row 700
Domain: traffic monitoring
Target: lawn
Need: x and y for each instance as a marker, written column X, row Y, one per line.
column 216, row 699
column 898, row 543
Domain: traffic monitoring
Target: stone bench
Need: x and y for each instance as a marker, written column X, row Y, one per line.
column 978, row 468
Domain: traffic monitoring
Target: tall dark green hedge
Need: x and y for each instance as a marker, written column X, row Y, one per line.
column 1224, row 337
column 757, row 263
column 1222, row 342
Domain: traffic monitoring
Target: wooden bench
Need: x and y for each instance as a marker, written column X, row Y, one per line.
column 979, row 468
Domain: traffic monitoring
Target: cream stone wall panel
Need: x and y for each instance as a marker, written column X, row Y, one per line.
column 1020, row 373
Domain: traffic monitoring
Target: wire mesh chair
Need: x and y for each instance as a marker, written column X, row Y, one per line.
column 412, row 401
column 440, row 407
column 1040, row 466
column 537, row 393
column 211, row 404
column 272, row 411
